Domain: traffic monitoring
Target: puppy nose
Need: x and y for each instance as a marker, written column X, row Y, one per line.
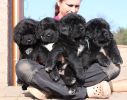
column 28, row 41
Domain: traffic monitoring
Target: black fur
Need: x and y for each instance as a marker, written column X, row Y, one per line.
column 47, row 30
column 30, row 48
column 72, row 28
column 99, row 36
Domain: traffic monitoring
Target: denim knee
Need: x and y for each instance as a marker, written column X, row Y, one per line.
column 112, row 71
column 26, row 69
column 115, row 71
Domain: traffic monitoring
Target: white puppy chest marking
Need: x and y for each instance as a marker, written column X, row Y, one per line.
column 80, row 49
column 64, row 66
column 49, row 46
column 62, row 71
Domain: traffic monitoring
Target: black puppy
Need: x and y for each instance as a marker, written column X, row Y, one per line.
column 98, row 35
column 72, row 28
column 30, row 48
column 47, row 31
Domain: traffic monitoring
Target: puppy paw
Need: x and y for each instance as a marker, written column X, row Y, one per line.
column 48, row 69
column 104, row 62
column 117, row 60
column 82, row 80
column 72, row 91
column 81, row 77
column 24, row 86
column 69, row 81
column 54, row 75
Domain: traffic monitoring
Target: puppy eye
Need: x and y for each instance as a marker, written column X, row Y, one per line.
column 48, row 35
column 81, row 28
column 106, row 34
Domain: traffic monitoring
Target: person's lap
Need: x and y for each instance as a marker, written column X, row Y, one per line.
column 42, row 80
column 27, row 72
column 94, row 74
column 97, row 73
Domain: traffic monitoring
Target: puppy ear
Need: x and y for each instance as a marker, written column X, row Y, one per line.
column 111, row 35
column 39, row 29
column 17, row 38
column 87, row 34
column 17, row 32
column 89, row 30
column 64, row 31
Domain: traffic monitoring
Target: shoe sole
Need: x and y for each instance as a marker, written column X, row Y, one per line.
column 37, row 93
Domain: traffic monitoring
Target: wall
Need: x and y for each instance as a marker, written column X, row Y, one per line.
column 4, row 42
column 6, row 38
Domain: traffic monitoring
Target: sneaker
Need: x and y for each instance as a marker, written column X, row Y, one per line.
column 37, row 93
column 100, row 91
